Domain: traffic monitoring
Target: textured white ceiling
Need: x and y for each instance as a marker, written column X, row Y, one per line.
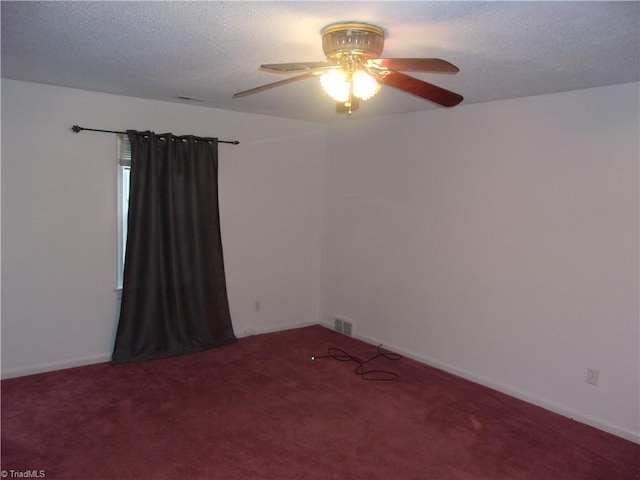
column 210, row 50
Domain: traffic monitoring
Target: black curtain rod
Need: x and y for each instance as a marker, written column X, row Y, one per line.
column 78, row 129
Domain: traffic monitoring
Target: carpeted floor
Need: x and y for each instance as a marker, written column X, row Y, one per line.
column 262, row 409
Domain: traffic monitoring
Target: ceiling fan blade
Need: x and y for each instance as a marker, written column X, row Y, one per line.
column 297, row 67
column 417, row 87
column 274, row 84
column 434, row 65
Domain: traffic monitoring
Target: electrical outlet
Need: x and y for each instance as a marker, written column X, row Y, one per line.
column 338, row 325
column 256, row 306
column 346, row 327
column 592, row 376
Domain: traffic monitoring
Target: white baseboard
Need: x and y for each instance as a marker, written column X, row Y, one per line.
column 527, row 397
column 79, row 362
column 541, row 402
column 276, row 328
column 51, row 366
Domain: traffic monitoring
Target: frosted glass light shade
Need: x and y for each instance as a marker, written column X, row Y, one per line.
column 364, row 86
column 336, row 84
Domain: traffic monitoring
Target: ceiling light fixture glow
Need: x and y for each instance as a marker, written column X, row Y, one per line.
column 364, row 86
column 336, row 83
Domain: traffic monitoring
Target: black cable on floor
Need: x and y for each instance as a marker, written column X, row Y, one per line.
column 373, row 374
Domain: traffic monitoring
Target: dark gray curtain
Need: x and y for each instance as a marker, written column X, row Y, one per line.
column 174, row 294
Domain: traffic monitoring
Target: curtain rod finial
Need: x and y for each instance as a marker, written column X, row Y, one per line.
column 76, row 128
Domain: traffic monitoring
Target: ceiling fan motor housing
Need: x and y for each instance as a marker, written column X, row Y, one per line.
column 361, row 39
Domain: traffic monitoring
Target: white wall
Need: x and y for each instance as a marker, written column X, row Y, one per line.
column 498, row 241
column 59, row 307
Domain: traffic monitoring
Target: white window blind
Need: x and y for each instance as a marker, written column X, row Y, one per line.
column 125, row 151
column 124, row 170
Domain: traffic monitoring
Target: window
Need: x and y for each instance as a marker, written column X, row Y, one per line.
column 124, row 170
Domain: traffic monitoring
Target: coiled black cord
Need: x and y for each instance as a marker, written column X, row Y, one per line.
column 373, row 374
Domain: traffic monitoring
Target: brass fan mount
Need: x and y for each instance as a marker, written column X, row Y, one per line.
column 358, row 40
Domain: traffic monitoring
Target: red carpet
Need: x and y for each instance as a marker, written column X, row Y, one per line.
column 261, row 409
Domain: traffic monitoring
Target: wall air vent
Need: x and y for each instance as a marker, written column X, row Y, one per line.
column 343, row 326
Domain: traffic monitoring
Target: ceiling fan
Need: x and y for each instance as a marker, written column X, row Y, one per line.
column 354, row 72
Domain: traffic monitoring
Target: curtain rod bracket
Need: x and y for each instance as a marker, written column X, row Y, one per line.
column 78, row 129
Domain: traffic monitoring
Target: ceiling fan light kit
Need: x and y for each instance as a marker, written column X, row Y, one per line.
column 354, row 71
column 340, row 85
column 350, row 45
